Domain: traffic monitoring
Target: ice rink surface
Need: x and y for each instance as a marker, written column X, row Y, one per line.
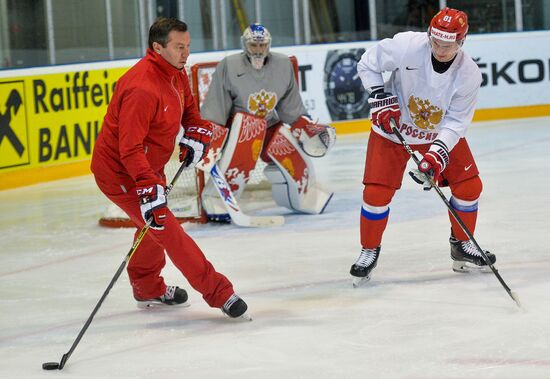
column 415, row 319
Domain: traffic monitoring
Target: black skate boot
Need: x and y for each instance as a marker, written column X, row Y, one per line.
column 364, row 265
column 235, row 307
column 173, row 296
column 466, row 257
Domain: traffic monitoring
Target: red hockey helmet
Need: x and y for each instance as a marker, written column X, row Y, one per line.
column 450, row 25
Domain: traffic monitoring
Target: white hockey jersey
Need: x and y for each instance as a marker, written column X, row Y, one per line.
column 271, row 92
column 432, row 105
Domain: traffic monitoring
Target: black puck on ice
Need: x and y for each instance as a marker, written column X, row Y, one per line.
column 50, row 366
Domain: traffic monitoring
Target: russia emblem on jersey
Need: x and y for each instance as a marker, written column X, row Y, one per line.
column 262, row 103
column 423, row 113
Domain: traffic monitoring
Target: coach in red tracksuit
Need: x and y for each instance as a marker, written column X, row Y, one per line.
column 149, row 105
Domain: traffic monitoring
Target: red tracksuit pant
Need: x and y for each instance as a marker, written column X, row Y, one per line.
column 145, row 266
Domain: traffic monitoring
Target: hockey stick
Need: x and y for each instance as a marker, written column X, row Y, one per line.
column 463, row 226
column 142, row 233
column 232, row 206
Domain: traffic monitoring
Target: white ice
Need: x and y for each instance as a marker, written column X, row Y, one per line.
column 415, row 319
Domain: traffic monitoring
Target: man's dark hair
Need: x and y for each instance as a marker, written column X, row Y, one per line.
column 158, row 32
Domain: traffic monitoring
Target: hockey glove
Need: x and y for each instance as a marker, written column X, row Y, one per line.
column 152, row 203
column 383, row 108
column 315, row 139
column 194, row 144
column 431, row 165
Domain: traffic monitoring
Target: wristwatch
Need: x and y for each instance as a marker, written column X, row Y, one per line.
column 344, row 93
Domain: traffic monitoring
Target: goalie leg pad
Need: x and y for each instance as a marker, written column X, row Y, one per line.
column 238, row 159
column 292, row 175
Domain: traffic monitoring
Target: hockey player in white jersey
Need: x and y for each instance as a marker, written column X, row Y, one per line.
column 255, row 94
column 431, row 96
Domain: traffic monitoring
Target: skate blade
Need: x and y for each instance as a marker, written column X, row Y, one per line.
column 466, row 267
column 359, row 281
column 157, row 304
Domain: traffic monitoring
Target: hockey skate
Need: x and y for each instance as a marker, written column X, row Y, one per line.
column 173, row 296
column 364, row 265
column 467, row 258
column 235, row 307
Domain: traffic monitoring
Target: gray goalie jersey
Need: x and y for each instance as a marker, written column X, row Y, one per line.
column 271, row 92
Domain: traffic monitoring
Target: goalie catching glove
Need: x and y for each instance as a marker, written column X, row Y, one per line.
column 315, row 139
column 194, row 144
column 152, row 203
column 383, row 108
column 432, row 165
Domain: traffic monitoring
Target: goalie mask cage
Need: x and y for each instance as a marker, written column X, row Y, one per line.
column 185, row 200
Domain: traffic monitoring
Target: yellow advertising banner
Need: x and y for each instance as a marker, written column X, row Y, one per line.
column 51, row 119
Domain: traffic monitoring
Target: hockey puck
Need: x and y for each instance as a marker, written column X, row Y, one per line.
column 50, row 366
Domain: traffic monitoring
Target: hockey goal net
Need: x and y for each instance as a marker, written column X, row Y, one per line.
column 184, row 199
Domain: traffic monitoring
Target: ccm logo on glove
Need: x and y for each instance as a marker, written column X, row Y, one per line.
column 152, row 203
column 194, row 145
column 147, row 191
column 198, row 130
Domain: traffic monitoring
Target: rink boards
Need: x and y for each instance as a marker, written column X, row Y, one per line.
column 51, row 115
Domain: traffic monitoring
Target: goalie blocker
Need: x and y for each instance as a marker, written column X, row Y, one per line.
column 289, row 168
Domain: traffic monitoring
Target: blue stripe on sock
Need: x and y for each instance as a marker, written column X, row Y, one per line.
column 463, row 208
column 374, row 216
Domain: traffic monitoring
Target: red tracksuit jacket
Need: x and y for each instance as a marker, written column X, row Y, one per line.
column 137, row 138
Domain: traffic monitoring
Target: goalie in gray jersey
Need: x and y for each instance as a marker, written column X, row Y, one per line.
column 255, row 95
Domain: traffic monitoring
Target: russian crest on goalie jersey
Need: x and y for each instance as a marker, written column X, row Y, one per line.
column 262, row 103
